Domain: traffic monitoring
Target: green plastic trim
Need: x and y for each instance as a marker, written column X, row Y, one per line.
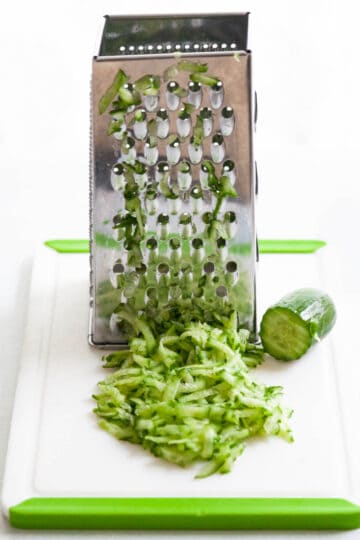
column 290, row 246
column 68, row 246
column 195, row 513
column 265, row 246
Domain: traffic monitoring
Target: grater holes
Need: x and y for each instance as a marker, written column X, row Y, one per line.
column 151, row 199
column 195, row 93
column 162, row 169
column 204, row 176
column 184, row 175
column 139, row 124
column 222, row 248
column 140, row 175
column 228, row 169
column 221, row 291
column 195, row 151
column 151, row 293
column 128, row 149
column 207, row 217
column 198, row 252
column 217, row 95
column 186, row 225
column 163, row 226
column 163, row 219
column 174, row 205
column 196, row 195
column 227, row 121
column 168, row 47
column 151, row 151
column 231, row 267
column 172, row 95
column 118, row 267
column 162, row 123
column 151, row 102
column 185, row 218
column 173, row 150
column 209, row 268
column 217, row 148
column 141, row 269
column 230, row 223
column 117, row 178
column 230, row 217
column 183, row 123
column 163, row 268
column 206, row 116
column 197, row 243
column 174, row 243
column 198, row 292
column 151, row 243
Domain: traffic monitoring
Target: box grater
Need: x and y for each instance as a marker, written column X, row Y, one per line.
column 172, row 186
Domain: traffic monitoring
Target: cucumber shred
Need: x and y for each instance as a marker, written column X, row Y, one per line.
column 192, row 397
column 291, row 326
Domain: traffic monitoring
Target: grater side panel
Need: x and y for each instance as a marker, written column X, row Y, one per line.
column 234, row 71
column 129, row 35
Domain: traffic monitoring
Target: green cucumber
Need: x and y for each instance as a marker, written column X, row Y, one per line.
column 292, row 325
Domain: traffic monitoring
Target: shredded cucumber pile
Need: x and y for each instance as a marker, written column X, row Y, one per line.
column 187, row 395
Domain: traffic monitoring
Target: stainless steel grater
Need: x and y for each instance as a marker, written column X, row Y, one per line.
column 172, row 187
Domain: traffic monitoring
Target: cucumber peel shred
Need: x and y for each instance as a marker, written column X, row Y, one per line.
column 193, row 67
column 119, row 80
column 207, row 80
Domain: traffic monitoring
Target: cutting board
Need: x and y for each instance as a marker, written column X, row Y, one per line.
column 62, row 471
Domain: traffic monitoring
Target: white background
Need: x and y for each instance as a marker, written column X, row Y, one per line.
column 306, row 65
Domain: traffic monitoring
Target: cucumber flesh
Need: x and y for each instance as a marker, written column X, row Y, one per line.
column 284, row 334
column 292, row 325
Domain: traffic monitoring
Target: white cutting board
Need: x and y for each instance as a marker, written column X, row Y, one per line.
column 57, row 450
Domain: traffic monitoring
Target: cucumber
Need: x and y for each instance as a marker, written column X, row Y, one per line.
column 292, row 325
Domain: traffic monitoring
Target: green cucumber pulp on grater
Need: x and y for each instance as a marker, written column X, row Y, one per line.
column 292, row 325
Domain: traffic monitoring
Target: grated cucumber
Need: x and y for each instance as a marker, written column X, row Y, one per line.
column 187, row 395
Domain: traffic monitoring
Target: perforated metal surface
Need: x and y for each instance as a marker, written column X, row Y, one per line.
column 158, row 34
column 163, row 241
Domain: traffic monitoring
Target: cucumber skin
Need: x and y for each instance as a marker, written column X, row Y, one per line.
column 314, row 307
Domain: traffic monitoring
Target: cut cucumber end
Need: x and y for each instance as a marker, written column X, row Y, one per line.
column 284, row 334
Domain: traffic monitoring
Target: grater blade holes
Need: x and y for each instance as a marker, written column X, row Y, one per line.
column 217, row 95
column 163, row 268
column 217, row 148
column 151, row 243
column 221, row 291
column 227, row 121
column 209, row 267
column 141, row 269
column 195, row 151
column 118, row 268
column 231, row 267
